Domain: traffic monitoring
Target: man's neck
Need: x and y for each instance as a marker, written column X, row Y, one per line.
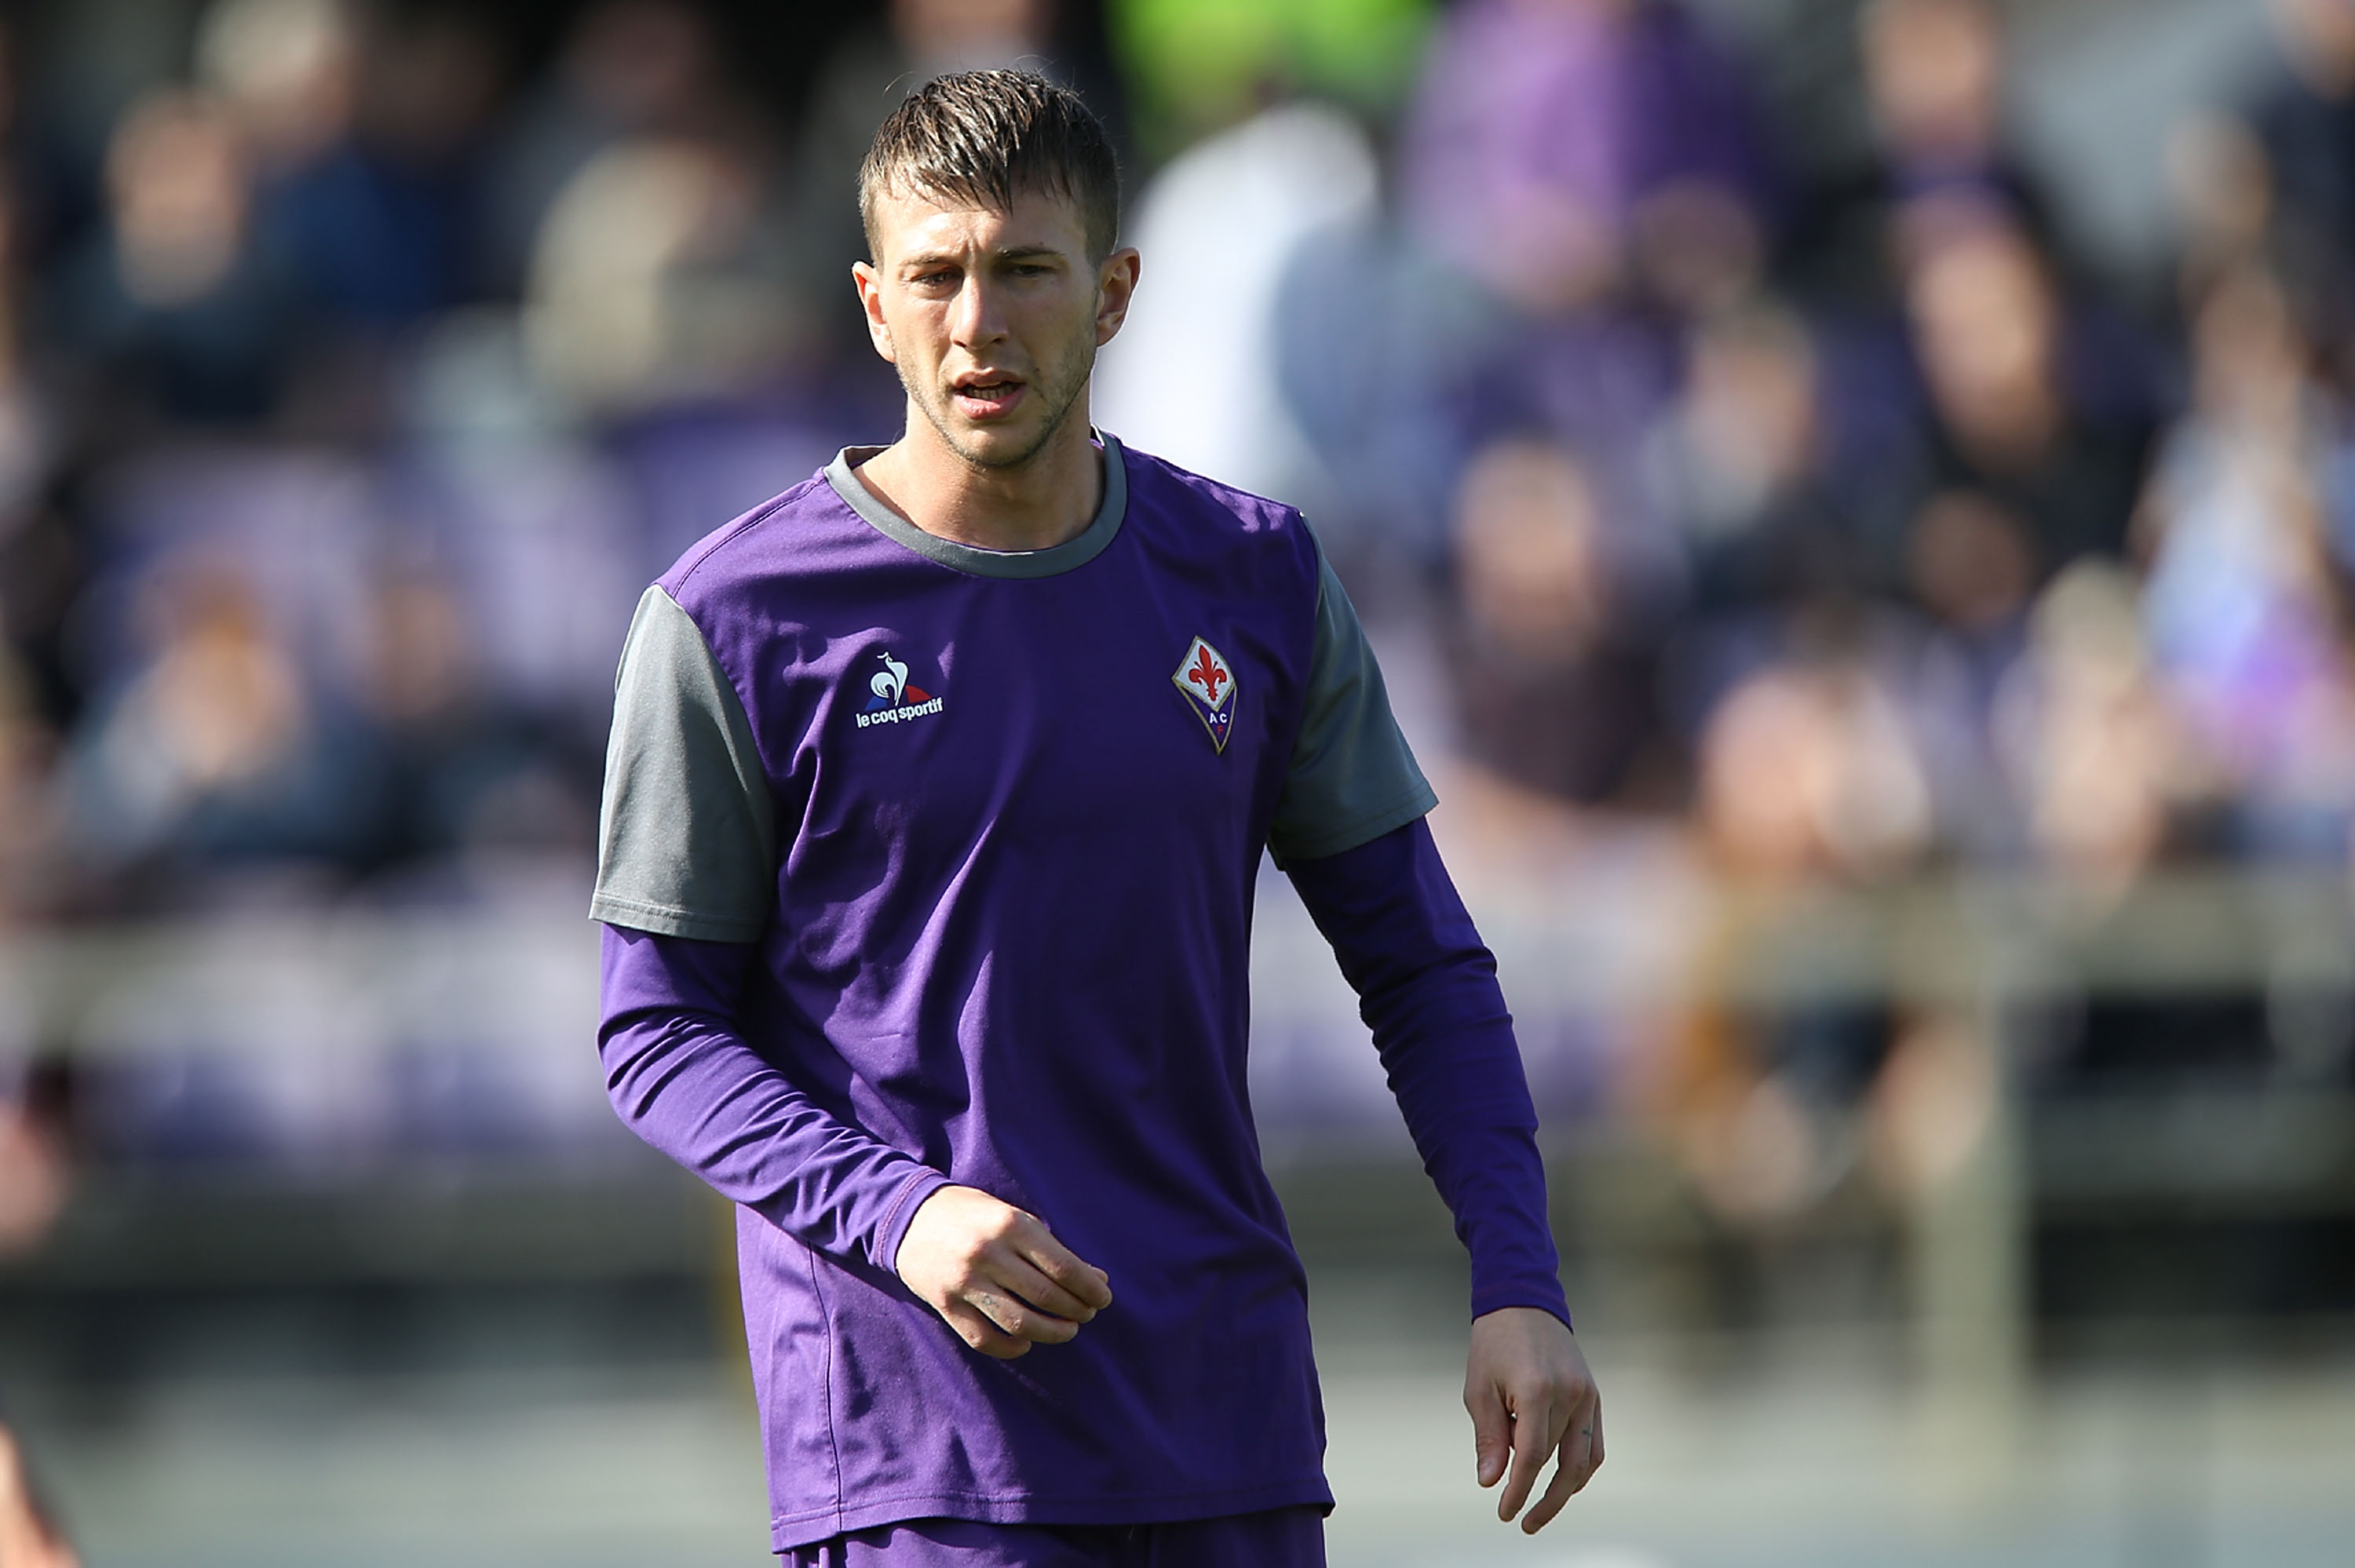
column 1035, row 506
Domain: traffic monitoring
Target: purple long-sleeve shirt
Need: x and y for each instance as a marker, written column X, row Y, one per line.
column 927, row 863
column 683, row 1078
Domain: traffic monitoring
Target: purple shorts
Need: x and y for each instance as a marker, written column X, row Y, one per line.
column 1279, row 1538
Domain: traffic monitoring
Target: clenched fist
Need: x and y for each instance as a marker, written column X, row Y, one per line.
column 997, row 1274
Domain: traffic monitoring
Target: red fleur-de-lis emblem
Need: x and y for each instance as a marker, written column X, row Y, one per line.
column 1206, row 673
column 1208, row 681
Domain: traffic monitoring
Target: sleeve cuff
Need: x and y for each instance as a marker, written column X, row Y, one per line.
column 1545, row 1297
column 911, row 1197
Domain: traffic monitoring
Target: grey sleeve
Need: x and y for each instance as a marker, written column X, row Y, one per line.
column 1352, row 779
column 686, row 843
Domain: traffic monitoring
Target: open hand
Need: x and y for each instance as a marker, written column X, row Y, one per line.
column 1531, row 1396
column 997, row 1274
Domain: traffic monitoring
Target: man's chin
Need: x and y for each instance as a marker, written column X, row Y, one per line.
column 1001, row 443
column 997, row 446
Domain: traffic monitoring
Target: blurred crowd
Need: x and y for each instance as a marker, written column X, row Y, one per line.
column 1814, row 506
column 355, row 382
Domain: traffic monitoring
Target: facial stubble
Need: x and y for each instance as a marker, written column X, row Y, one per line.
column 1059, row 393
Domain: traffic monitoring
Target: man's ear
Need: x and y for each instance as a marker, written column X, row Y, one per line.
column 870, row 303
column 1116, row 286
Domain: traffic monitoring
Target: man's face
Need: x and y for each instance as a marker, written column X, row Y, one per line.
column 993, row 319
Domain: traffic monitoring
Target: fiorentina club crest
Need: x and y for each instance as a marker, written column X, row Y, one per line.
column 1208, row 681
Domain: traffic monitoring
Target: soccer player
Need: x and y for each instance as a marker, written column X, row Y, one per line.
column 937, row 790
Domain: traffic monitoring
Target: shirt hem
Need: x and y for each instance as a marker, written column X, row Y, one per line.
column 812, row 1526
column 665, row 921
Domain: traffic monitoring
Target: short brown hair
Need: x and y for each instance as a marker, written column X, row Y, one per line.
column 979, row 137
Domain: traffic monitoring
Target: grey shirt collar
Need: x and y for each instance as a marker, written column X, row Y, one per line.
column 1071, row 554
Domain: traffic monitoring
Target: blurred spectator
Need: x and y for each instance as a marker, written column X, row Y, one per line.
column 1971, row 564
column 289, row 71
column 1595, row 167
column 1562, row 150
column 179, row 303
column 1990, row 333
column 1933, row 93
column 628, row 67
column 2106, row 774
column 1933, row 82
column 1972, row 570
column 2119, row 784
column 1739, row 465
column 463, row 771
column 369, row 125
column 2243, row 610
column 1555, row 679
column 1809, row 780
column 1808, row 773
column 653, row 279
column 219, row 751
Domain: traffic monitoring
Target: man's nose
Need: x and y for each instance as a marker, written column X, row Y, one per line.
column 977, row 319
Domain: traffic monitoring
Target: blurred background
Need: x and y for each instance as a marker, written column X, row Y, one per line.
column 1856, row 506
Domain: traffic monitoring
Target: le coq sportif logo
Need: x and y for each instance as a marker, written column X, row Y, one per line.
column 892, row 700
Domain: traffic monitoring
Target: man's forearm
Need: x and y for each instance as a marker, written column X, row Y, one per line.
column 682, row 1078
column 1427, row 988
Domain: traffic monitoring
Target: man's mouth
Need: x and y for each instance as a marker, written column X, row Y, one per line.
column 985, row 399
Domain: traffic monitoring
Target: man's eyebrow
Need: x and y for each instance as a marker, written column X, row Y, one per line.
column 950, row 257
